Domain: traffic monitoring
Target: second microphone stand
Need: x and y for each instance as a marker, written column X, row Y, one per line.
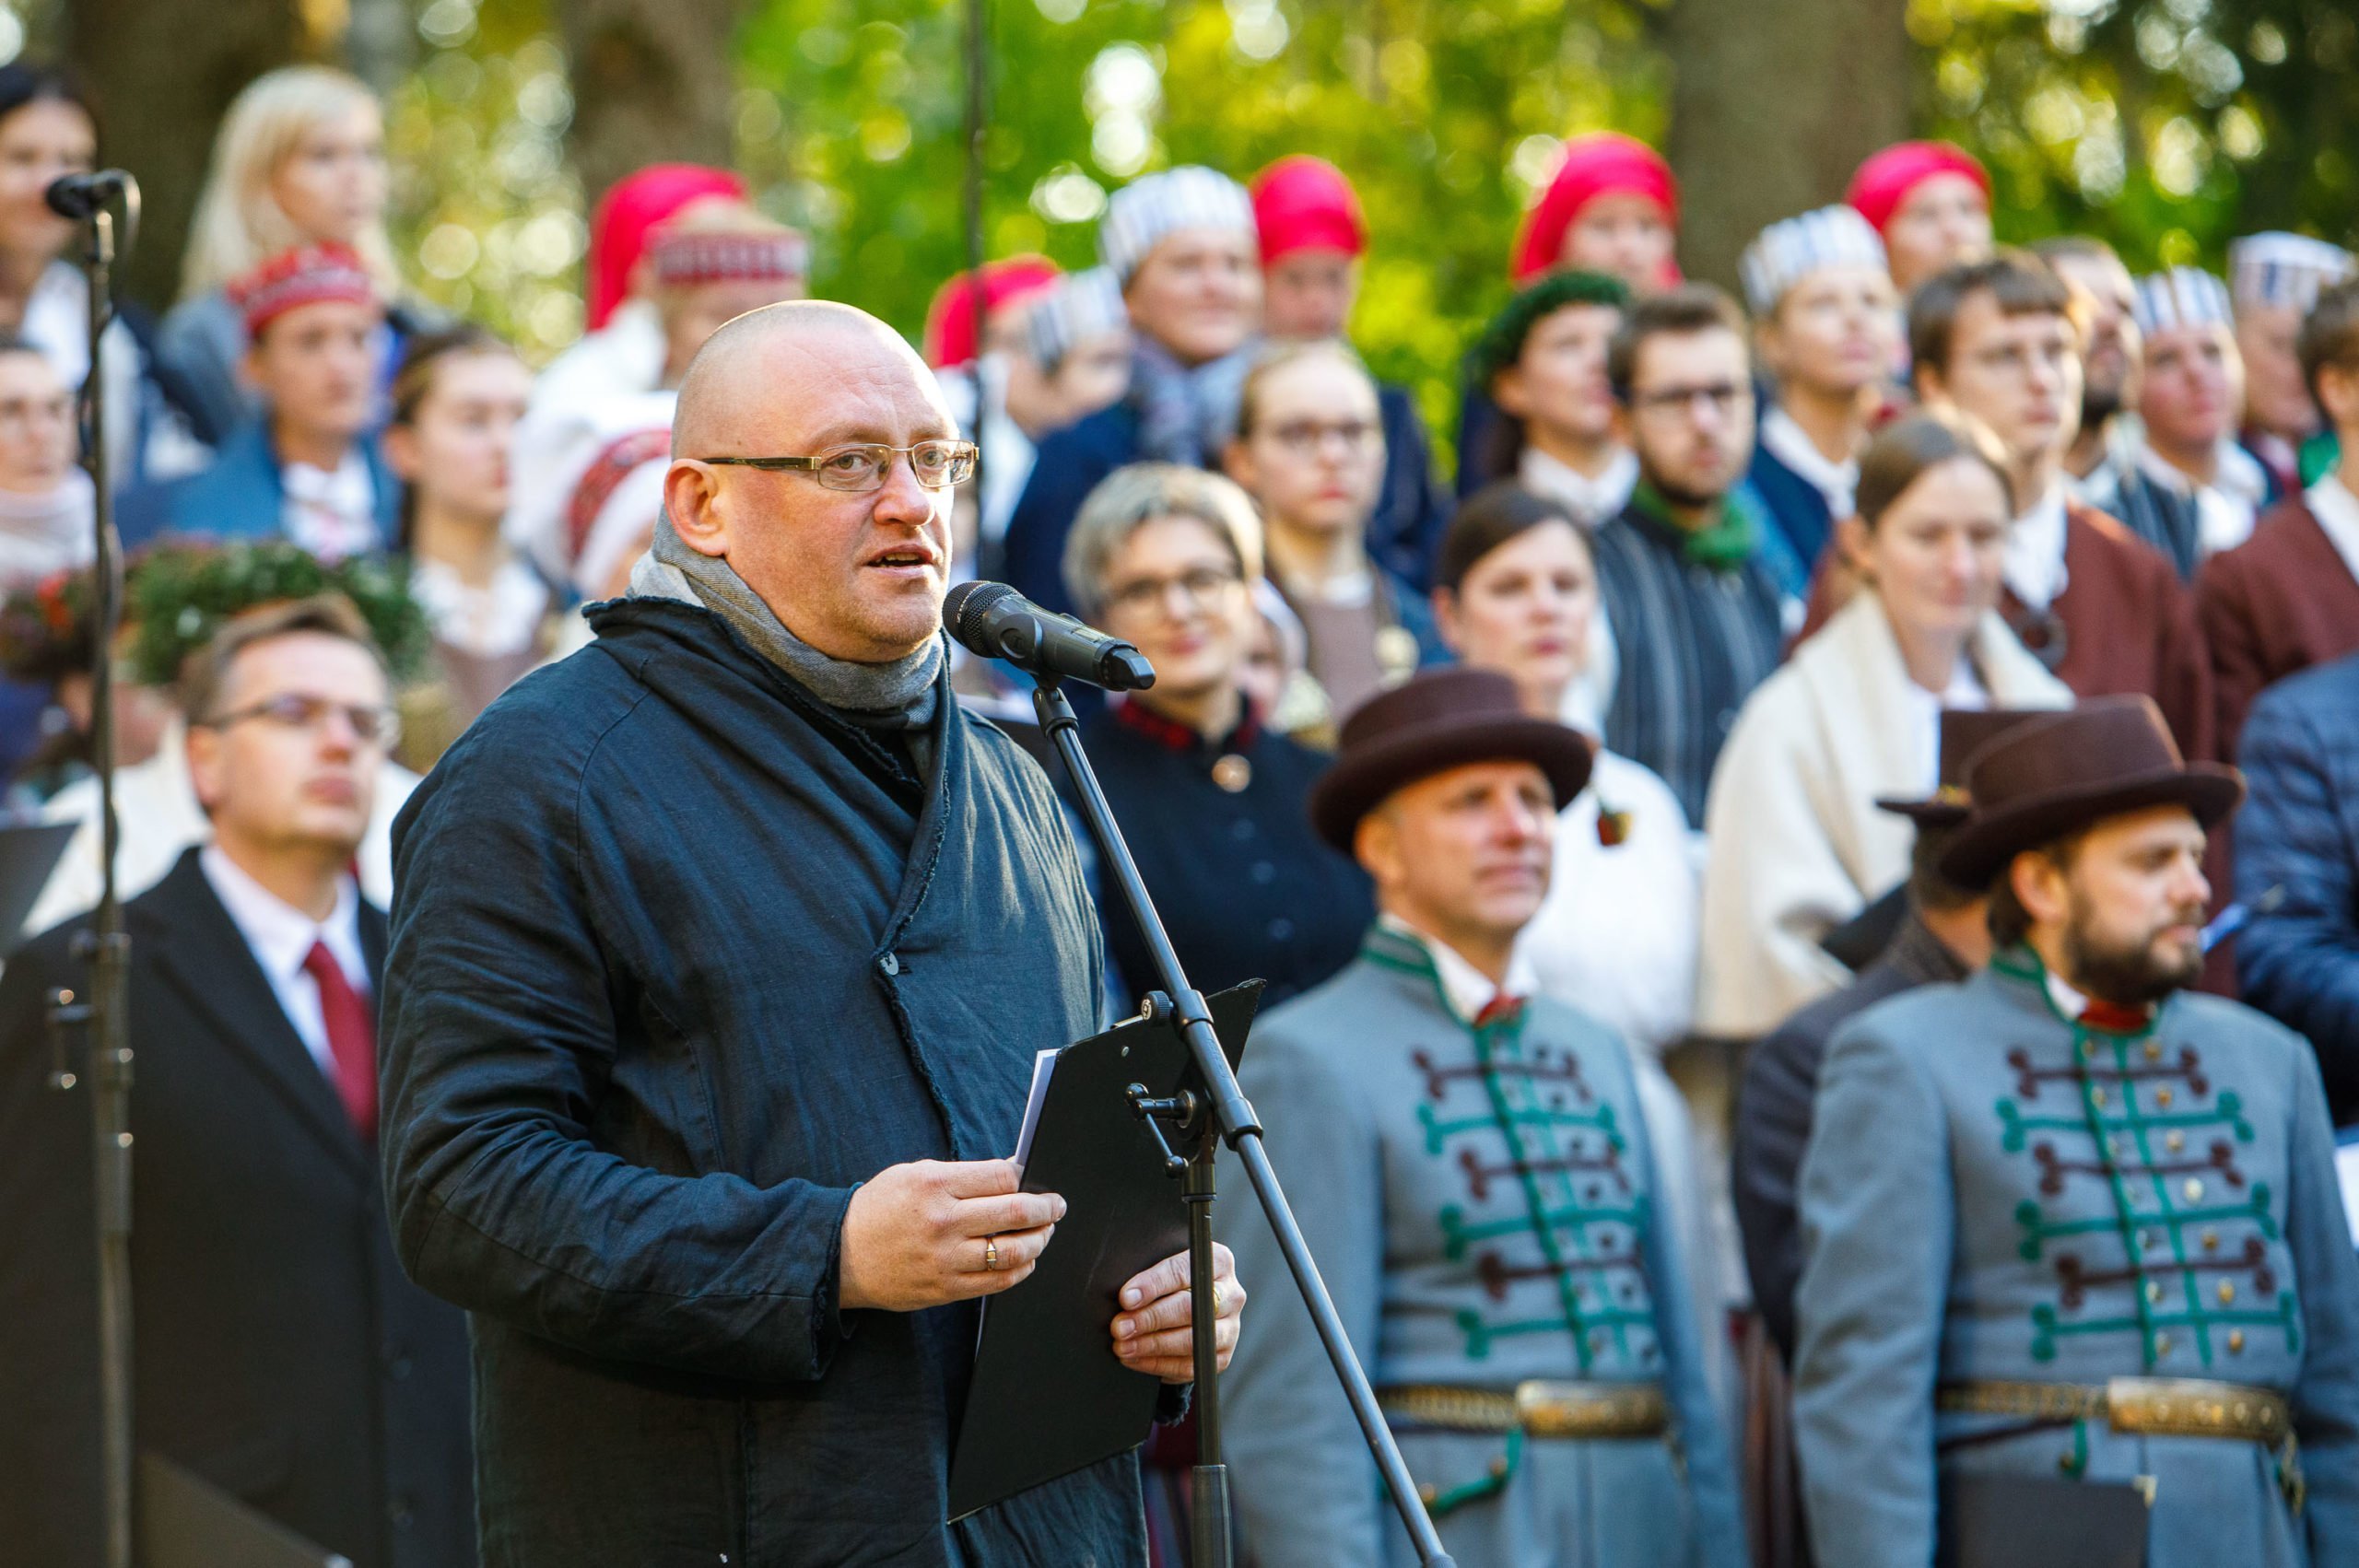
column 1227, row 1117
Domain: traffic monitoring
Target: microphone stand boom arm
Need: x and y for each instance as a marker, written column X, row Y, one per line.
column 1232, row 1122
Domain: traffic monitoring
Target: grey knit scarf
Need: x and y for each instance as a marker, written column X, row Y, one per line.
column 899, row 696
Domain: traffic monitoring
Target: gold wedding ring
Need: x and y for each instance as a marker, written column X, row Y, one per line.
column 991, row 1253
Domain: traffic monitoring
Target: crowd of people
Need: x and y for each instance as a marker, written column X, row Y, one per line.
column 1748, row 868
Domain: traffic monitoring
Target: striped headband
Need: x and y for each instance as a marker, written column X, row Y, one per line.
column 2279, row 269
column 1143, row 212
column 686, row 260
column 2183, row 297
column 1790, row 251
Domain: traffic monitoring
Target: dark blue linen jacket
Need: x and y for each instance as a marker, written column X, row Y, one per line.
column 680, row 957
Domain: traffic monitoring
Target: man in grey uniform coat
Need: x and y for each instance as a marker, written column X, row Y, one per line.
column 1475, row 1182
column 2069, row 1223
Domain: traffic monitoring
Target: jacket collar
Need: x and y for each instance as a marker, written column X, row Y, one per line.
column 1461, row 991
column 1181, row 740
column 2019, row 969
column 200, row 952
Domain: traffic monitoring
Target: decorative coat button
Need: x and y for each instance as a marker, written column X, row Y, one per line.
column 2227, row 1293
column 1233, row 773
column 2162, row 1346
column 2236, row 1341
column 2193, row 1190
column 890, row 965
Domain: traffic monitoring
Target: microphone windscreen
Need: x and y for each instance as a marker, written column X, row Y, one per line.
column 964, row 608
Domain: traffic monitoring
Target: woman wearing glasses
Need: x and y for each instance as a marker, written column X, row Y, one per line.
column 1211, row 801
column 1309, row 448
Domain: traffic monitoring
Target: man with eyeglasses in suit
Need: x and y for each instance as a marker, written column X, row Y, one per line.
column 281, row 1356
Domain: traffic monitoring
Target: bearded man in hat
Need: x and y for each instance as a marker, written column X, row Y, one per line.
column 1484, row 1196
column 2068, row 1226
column 1927, row 931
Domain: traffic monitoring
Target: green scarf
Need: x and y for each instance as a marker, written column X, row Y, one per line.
column 1723, row 542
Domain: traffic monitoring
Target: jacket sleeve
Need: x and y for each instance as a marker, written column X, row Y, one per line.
column 2325, row 1400
column 1702, row 1434
column 500, row 1037
column 1774, row 884
column 1773, row 1120
column 1308, row 1496
column 2182, row 668
column 1878, row 1221
column 2299, row 962
column 2224, row 612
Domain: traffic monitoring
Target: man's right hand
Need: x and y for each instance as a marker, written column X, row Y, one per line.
column 928, row 1233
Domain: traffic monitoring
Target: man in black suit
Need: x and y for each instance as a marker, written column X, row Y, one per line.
column 1938, row 937
column 281, row 1354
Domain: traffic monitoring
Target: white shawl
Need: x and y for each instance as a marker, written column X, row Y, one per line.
column 1797, row 844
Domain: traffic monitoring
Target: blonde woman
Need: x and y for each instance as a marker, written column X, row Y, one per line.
column 1798, row 843
column 299, row 161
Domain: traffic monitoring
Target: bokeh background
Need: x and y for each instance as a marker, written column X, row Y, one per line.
column 2165, row 126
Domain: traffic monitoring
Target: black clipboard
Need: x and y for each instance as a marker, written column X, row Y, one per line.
column 1048, row 1398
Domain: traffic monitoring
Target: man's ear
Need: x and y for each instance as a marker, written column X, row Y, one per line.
column 1927, row 380
column 1376, row 844
column 1851, row 545
column 203, row 749
column 250, row 370
column 2038, row 884
column 692, row 501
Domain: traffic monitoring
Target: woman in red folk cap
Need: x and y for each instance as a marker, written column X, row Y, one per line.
column 1611, row 208
column 308, row 469
column 1000, row 395
column 1313, row 235
column 1931, row 202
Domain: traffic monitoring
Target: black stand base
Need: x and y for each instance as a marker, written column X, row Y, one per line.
column 1224, row 1115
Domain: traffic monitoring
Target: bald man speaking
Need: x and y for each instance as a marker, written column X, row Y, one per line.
column 720, row 953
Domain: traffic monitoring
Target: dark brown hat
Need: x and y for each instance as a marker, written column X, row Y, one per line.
column 1438, row 720
column 2051, row 776
column 1965, row 731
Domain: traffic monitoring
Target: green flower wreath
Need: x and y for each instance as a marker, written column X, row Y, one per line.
column 180, row 595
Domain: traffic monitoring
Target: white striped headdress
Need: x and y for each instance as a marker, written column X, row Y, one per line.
column 1790, row 250
column 2277, row 269
column 2183, row 297
column 1143, row 211
column 1078, row 305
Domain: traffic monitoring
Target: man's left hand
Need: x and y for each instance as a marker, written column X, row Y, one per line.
column 1153, row 1334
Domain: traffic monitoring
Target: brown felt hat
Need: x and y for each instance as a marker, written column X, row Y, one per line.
column 1433, row 723
column 1965, row 731
column 2051, row 776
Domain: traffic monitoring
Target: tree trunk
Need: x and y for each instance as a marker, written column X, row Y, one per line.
column 651, row 84
column 1772, row 107
column 164, row 71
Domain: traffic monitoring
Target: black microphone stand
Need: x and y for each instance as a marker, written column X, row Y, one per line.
column 1226, row 1117
column 106, row 946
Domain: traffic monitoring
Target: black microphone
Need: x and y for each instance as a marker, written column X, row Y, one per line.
column 79, row 196
column 995, row 621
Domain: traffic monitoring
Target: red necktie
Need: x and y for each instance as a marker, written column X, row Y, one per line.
column 352, row 1039
column 2112, row 1017
column 1499, row 1010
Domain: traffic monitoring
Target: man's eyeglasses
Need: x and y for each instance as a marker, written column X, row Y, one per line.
column 1304, row 436
column 1201, row 584
column 1724, row 397
column 862, row 465
column 294, row 711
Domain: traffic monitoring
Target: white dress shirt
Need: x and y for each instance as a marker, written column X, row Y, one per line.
column 2337, row 510
column 1836, row 482
column 502, row 617
column 2032, row 566
column 2227, row 507
column 281, row 936
column 1469, row 989
column 330, row 514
